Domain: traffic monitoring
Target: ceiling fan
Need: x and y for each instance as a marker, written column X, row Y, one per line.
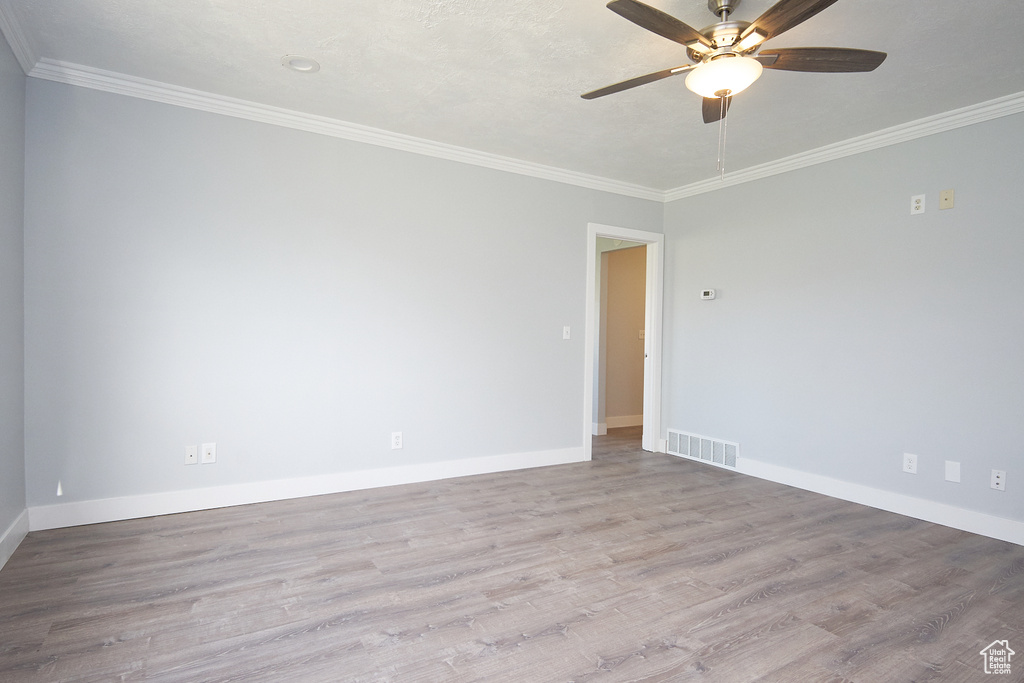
column 727, row 56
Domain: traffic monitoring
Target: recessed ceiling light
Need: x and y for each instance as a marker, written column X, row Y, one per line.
column 306, row 65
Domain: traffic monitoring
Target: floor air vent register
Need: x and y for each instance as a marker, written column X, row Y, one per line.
column 703, row 448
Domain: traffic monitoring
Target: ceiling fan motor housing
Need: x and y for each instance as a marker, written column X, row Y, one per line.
column 723, row 35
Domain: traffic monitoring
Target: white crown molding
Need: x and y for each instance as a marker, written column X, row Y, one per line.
column 978, row 113
column 108, row 81
column 16, row 38
column 131, row 86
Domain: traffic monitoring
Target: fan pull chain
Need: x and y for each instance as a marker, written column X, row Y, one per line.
column 723, row 127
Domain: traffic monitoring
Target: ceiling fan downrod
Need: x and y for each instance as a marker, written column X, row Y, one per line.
column 723, row 8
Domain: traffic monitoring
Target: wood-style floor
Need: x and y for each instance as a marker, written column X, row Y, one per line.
column 633, row 567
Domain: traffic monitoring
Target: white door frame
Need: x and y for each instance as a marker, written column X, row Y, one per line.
column 652, row 330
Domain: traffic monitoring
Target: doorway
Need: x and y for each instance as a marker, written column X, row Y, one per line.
column 621, row 283
column 654, row 242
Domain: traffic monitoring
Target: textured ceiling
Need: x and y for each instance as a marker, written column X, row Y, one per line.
column 505, row 77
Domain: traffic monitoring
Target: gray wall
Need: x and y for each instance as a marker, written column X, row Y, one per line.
column 295, row 298
column 292, row 297
column 846, row 331
column 12, row 164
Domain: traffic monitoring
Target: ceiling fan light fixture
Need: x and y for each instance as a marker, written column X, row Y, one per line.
column 731, row 74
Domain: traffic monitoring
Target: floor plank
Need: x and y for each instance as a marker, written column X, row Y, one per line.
column 632, row 567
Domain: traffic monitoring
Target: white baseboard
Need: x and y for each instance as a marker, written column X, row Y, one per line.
column 600, row 429
column 13, row 536
column 624, row 421
column 918, row 508
column 171, row 502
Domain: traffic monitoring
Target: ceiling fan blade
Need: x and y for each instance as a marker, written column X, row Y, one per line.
column 713, row 109
column 786, row 14
column 823, row 59
column 634, row 82
column 657, row 21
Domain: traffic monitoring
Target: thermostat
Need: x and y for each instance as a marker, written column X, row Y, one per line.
column 707, row 294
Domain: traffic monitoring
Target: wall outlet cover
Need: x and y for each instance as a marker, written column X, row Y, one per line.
column 946, row 199
column 917, row 204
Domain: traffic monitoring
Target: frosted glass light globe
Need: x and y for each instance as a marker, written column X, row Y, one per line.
column 734, row 74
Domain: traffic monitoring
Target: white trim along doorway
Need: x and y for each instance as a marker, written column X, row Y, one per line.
column 652, row 331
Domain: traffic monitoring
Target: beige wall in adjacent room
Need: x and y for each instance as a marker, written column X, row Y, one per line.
column 624, row 369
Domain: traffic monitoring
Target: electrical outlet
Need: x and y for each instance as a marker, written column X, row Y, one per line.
column 952, row 471
column 191, row 455
column 396, row 440
column 917, row 204
column 999, row 480
column 209, row 453
column 910, row 463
